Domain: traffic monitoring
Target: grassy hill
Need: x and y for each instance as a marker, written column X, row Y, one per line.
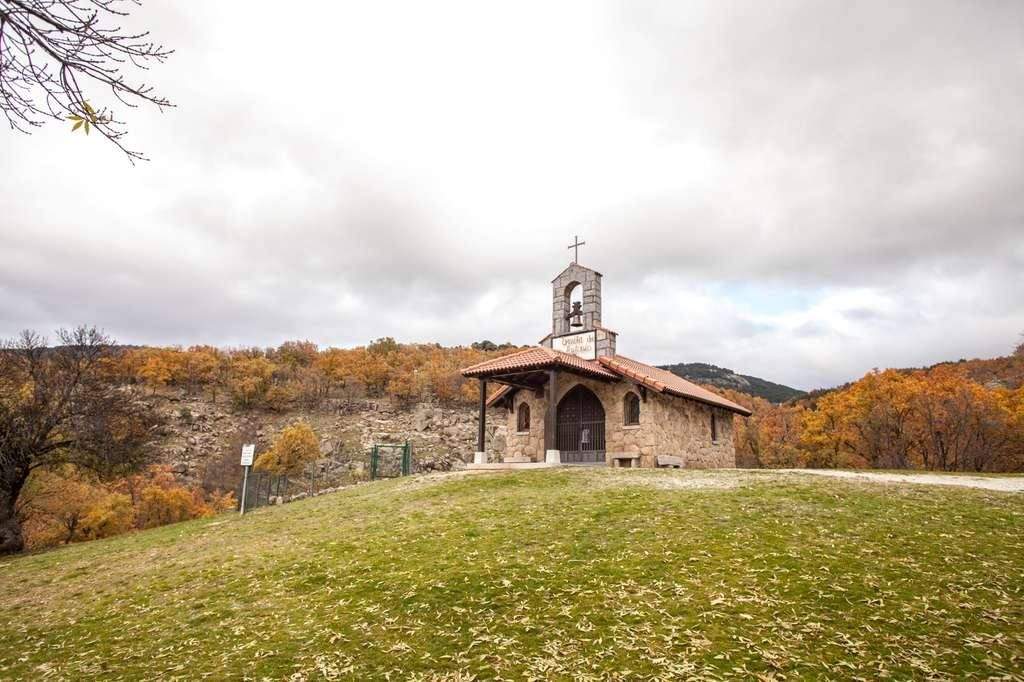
column 713, row 375
column 585, row 574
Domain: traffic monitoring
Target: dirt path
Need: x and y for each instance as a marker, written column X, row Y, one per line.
column 1008, row 484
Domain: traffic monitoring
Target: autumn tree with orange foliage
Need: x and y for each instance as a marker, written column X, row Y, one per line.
column 959, row 425
column 296, row 446
column 58, row 407
column 299, row 374
column 937, row 419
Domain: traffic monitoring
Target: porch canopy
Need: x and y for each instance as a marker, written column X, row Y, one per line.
column 532, row 369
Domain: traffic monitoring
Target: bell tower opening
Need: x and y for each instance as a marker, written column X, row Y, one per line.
column 576, row 297
column 574, row 306
column 576, row 313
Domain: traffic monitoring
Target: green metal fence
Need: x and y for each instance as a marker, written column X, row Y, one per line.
column 388, row 460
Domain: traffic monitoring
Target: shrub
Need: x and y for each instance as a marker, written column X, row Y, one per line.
column 159, row 506
column 295, row 447
column 112, row 515
column 220, row 502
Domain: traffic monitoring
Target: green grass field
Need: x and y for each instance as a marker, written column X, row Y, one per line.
column 582, row 574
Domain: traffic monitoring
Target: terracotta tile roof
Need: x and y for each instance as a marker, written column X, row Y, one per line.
column 537, row 357
column 664, row 381
column 614, row 367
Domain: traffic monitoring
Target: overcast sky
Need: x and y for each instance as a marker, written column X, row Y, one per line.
column 800, row 191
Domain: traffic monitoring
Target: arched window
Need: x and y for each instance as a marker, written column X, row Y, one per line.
column 523, row 418
column 631, row 409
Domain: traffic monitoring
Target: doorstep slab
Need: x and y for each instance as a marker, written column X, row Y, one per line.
column 508, row 466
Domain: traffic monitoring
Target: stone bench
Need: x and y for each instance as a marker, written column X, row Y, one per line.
column 670, row 461
column 627, row 460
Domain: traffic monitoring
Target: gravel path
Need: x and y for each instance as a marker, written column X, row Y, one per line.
column 1008, row 484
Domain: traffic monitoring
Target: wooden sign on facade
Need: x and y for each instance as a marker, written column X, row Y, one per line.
column 582, row 345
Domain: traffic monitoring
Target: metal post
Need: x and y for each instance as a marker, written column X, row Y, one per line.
column 245, row 483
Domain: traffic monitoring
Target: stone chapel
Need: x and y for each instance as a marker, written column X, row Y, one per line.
column 573, row 400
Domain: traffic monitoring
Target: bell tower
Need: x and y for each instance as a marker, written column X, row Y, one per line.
column 576, row 312
column 585, row 315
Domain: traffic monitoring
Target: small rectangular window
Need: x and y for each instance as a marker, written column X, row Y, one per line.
column 714, row 428
column 631, row 409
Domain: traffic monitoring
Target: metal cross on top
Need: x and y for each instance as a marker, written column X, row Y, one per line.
column 576, row 245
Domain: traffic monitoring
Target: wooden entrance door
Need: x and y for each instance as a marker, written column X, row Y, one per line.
column 580, row 428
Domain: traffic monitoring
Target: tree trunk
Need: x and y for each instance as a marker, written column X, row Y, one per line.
column 11, row 539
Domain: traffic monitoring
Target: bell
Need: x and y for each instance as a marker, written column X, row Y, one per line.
column 576, row 316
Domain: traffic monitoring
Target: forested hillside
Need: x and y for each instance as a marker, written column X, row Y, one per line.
column 955, row 416
column 720, row 377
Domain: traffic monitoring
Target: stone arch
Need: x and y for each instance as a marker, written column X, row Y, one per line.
column 572, row 288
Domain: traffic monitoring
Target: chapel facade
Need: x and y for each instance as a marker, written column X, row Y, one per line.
column 572, row 399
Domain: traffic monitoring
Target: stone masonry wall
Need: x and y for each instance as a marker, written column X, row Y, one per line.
column 668, row 426
column 531, row 443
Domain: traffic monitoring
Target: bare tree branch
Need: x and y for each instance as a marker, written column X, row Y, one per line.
column 48, row 46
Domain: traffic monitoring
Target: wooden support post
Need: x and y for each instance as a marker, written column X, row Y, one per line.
column 550, row 421
column 480, row 457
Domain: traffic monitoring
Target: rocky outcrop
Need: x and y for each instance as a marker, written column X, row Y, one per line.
column 204, row 438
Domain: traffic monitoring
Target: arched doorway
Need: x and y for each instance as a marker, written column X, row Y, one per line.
column 580, row 427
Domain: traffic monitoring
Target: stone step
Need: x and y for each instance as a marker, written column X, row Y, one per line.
column 507, row 466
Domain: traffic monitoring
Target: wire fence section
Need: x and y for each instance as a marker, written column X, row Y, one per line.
column 384, row 460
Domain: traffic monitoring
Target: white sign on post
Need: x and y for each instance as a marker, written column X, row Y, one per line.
column 582, row 345
column 248, row 450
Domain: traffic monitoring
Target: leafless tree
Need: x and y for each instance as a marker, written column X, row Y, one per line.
column 50, row 50
column 57, row 406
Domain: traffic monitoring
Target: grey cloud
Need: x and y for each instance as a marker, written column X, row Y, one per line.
column 803, row 147
column 812, row 328
column 892, row 135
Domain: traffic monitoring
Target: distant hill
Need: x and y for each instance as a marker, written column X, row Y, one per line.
column 1005, row 372
column 712, row 375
